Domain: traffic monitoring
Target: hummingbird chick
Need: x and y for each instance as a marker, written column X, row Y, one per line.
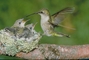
column 28, row 32
column 31, row 26
column 49, row 22
column 17, row 28
column 19, row 23
column 31, row 29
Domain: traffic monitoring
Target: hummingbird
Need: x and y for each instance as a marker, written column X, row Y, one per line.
column 28, row 32
column 17, row 28
column 49, row 22
column 31, row 26
column 20, row 23
column 31, row 29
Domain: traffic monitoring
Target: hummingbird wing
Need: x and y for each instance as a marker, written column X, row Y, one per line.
column 59, row 16
column 8, row 29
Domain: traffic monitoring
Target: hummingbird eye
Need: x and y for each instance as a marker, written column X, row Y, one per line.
column 19, row 22
column 30, row 27
column 41, row 12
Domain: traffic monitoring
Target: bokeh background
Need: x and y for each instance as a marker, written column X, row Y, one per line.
column 11, row 10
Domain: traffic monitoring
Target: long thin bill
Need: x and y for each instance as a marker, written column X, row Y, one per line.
column 30, row 14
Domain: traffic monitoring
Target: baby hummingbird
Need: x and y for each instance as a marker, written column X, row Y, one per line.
column 17, row 27
column 31, row 26
column 28, row 32
column 20, row 23
column 49, row 22
column 31, row 29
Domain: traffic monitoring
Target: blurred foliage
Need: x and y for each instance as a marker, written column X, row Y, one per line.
column 11, row 10
column 2, row 57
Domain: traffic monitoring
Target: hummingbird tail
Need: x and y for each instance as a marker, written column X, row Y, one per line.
column 66, row 27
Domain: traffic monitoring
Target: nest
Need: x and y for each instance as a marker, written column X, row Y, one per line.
column 11, row 46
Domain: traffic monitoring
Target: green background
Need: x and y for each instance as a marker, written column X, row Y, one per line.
column 11, row 10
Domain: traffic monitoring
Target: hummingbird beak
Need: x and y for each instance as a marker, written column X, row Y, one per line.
column 35, row 24
column 24, row 21
column 27, row 20
column 38, row 12
column 30, row 14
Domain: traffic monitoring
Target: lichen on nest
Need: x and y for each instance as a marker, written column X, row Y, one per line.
column 12, row 46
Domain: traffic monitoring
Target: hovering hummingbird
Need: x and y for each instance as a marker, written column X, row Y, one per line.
column 49, row 22
column 17, row 28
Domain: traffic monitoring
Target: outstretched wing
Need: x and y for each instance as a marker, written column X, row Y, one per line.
column 59, row 16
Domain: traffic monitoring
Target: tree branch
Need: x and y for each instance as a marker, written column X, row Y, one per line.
column 52, row 51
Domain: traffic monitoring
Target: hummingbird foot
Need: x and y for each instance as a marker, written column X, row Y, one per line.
column 68, row 36
column 64, row 35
